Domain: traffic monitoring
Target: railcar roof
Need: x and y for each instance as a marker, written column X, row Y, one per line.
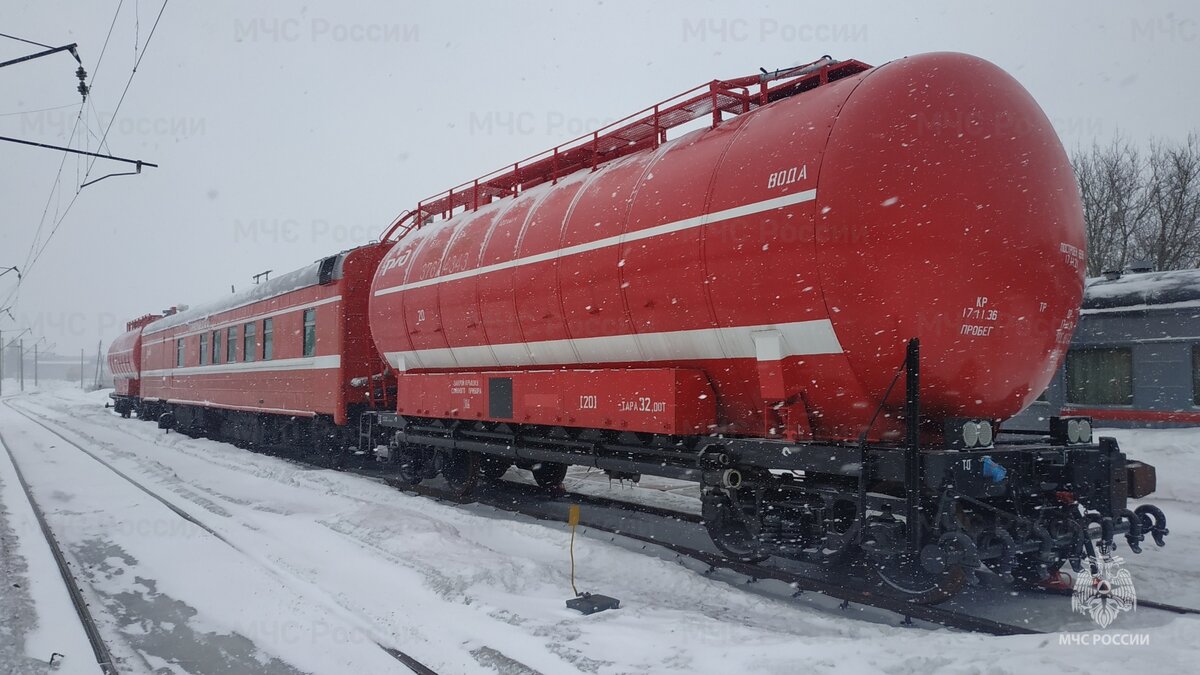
column 295, row 280
column 1147, row 290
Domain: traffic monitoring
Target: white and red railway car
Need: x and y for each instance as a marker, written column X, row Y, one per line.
column 290, row 356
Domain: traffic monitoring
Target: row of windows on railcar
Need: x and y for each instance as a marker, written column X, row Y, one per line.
column 210, row 351
column 1105, row 376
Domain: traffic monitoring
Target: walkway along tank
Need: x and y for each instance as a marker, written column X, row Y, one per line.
column 768, row 305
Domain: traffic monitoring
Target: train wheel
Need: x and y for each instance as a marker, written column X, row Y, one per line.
column 908, row 581
column 549, row 475
column 410, row 465
column 461, row 471
column 493, row 468
column 734, row 536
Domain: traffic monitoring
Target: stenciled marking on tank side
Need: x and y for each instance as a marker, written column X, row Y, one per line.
column 641, row 404
column 1066, row 329
column 787, row 176
column 1073, row 255
column 979, row 320
column 394, row 263
column 467, row 388
column 1077, row 259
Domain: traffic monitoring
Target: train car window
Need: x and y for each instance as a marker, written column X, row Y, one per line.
column 248, row 342
column 1100, row 376
column 231, row 345
column 179, row 352
column 310, row 332
column 1195, row 374
column 268, row 339
column 325, row 272
column 203, row 349
column 216, row 346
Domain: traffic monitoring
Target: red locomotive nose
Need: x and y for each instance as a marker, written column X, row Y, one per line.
column 948, row 211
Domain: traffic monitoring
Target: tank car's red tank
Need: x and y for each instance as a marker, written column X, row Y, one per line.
column 125, row 363
column 787, row 254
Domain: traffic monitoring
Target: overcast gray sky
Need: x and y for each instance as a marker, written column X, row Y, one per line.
column 286, row 131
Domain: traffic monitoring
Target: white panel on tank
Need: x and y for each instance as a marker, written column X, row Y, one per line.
column 768, row 345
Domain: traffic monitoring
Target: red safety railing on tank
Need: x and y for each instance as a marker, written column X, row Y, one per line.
column 646, row 128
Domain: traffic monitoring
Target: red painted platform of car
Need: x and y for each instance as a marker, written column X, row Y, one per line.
column 674, row 401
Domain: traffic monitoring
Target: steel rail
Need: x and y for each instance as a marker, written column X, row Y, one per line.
column 409, row 661
column 99, row 648
column 928, row 613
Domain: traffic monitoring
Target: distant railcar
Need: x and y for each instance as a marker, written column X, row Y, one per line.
column 125, row 364
column 1135, row 359
column 289, row 360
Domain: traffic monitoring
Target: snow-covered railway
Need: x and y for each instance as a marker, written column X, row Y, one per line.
column 168, row 516
column 56, row 659
column 436, row 577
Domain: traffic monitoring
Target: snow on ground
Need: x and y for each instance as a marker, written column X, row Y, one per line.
column 1170, row 574
column 29, row 637
column 11, row 386
column 318, row 565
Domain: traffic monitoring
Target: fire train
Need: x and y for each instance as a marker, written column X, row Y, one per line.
column 817, row 297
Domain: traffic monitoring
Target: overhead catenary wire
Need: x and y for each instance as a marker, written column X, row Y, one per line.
column 36, row 251
column 128, row 82
column 53, row 189
column 38, row 110
column 30, row 255
column 9, row 300
column 13, row 37
column 104, row 48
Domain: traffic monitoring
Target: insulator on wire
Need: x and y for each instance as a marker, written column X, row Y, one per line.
column 82, row 75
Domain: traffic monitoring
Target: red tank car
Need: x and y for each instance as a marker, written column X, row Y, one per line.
column 786, row 254
column 818, row 308
column 125, row 364
column 290, row 358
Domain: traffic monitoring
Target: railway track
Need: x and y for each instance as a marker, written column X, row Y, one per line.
column 93, row 634
column 100, row 650
column 584, row 499
column 500, row 495
column 1151, row 604
column 510, row 497
column 905, row 610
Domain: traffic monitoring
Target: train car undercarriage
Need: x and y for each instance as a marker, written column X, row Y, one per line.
column 1012, row 510
column 920, row 522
